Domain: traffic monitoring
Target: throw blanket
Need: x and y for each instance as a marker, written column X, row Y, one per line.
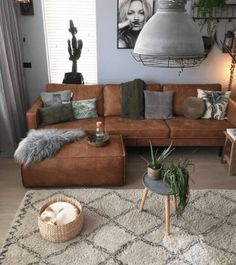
column 40, row 144
column 132, row 99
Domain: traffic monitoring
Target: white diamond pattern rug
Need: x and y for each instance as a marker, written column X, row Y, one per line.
column 116, row 233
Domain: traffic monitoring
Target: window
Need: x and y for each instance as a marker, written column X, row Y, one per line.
column 56, row 19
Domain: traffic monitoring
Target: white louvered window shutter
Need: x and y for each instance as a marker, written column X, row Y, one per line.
column 56, row 19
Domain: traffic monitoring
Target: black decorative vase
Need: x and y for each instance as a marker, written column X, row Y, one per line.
column 71, row 78
column 208, row 43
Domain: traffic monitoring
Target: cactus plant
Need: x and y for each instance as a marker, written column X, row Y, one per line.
column 74, row 47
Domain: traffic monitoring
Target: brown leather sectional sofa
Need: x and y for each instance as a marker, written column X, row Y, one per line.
column 180, row 130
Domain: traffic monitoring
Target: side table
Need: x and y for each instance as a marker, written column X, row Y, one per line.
column 159, row 187
column 229, row 153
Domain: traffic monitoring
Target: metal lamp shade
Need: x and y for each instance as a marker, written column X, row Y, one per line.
column 170, row 38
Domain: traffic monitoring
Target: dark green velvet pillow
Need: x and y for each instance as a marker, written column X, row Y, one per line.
column 56, row 114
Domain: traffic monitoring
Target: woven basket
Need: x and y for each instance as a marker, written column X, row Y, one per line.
column 61, row 233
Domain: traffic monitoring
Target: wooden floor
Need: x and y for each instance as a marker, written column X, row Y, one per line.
column 208, row 173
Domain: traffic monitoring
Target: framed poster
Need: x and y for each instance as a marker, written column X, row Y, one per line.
column 131, row 17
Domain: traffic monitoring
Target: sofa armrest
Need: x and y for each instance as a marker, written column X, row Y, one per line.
column 32, row 115
column 231, row 112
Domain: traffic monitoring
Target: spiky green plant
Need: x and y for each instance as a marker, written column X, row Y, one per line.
column 74, row 47
column 176, row 176
column 157, row 158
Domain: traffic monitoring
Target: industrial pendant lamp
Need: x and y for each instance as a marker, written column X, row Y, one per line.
column 170, row 38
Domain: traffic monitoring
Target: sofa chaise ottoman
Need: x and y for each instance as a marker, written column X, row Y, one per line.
column 80, row 164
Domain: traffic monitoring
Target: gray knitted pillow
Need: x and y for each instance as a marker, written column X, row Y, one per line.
column 158, row 105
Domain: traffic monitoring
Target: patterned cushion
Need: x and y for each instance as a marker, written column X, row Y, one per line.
column 216, row 103
column 158, row 105
column 85, row 108
column 56, row 98
column 56, row 114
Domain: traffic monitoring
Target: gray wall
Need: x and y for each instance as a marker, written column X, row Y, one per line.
column 117, row 65
column 114, row 65
column 34, row 50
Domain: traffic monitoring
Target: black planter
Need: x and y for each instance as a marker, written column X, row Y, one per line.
column 208, row 43
column 71, row 78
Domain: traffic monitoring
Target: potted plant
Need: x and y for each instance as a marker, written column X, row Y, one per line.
column 207, row 10
column 74, row 49
column 157, row 159
column 176, row 176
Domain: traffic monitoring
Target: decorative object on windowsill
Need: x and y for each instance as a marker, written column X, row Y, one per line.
column 177, row 177
column 170, row 38
column 74, row 49
column 155, row 165
column 26, row 7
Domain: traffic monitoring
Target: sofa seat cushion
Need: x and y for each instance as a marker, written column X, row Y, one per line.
column 136, row 128
column 181, row 127
column 88, row 125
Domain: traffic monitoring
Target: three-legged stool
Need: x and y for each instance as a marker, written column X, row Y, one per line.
column 159, row 187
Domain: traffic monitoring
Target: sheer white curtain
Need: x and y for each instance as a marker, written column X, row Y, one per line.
column 13, row 94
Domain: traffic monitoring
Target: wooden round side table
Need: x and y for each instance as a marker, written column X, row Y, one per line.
column 158, row 187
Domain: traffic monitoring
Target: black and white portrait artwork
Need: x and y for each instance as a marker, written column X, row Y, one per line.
column 131, row 17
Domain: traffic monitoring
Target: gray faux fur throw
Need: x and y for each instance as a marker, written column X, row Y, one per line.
column 43, row 143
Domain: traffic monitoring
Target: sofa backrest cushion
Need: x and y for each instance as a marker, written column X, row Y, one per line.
column 112, row 100
column 154, row 87
column 112, row 97
column 61, row 87
column 183, row 91
column 91, row 91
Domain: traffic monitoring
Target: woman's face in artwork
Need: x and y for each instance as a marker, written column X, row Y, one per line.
column 136, row 15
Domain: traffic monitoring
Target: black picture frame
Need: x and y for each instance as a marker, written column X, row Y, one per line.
column 129, row 29
column 27, row 9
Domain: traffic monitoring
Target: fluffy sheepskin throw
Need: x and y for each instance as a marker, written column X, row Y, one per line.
column 43, row 143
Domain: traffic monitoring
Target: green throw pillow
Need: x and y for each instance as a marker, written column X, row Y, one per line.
column 56, row 114
column 216, row 103
column 85, row 108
